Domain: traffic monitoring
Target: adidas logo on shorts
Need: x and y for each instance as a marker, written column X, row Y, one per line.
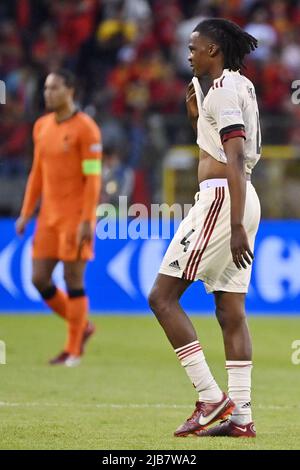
column 247, row 405
column 174, row 264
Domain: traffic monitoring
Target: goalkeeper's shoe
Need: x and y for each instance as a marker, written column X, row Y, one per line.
column 204, row 415
column 228, row 428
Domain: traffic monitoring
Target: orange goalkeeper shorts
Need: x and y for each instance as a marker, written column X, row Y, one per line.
column 60, row 243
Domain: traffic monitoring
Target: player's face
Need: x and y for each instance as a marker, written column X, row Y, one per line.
column 56, row 93
column 199, row 57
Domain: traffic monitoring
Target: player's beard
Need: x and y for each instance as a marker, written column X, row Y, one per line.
column 54, row 104
column 49, row 106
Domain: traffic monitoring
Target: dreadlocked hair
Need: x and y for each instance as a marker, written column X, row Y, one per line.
column 233, row 41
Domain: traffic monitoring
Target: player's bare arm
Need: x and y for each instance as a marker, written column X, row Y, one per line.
column 32, row 195
column 84, row 233
column 241, row 252
column 21, row 224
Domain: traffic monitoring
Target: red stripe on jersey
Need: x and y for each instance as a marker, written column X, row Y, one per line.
column 232, row 134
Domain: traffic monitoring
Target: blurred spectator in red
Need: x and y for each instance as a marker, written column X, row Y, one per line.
column 280, row 16
column 167, row 17
column 233, row 10
column 75, row 21
column 275, row 84
column 11, row 50
column 14, row 138
column 47, row 47
column 168, row 92
column 23, row 11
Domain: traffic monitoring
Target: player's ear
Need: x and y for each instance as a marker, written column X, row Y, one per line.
column 213, row 50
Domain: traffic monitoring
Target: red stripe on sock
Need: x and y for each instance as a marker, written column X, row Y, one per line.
column 189, row 353
column 186, row 348
column 233, row 367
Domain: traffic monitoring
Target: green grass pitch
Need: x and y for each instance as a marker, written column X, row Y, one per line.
column 130, row 392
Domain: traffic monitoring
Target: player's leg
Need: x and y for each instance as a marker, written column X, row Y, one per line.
column 45, row 257
column 55, row 298
column 164, row 302
column 229, row 289
column 42, row 270
column 79, row 330
column 230, row 312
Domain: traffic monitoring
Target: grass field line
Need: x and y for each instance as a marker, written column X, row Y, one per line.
column 6, row 404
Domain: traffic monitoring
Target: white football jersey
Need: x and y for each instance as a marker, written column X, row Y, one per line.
column 228, row 110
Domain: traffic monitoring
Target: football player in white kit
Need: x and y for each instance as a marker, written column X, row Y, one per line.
column 215, row 242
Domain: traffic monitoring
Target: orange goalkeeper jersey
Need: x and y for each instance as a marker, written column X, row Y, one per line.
column 66, row 170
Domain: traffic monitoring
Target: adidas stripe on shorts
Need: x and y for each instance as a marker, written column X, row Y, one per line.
column 200, row 248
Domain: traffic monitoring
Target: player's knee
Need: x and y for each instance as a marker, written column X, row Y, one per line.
column 159, row 303
column 40, row 282
column 230, row 319
column 73, row 280
column 153, row 299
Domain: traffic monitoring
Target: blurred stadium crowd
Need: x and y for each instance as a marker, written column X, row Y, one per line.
column 130, row 59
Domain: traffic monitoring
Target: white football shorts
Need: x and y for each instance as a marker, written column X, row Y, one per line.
column 200, row 249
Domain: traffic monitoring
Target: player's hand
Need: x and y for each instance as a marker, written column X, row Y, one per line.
column 84, row 233
column 241, row 253
column 21, row 224
column 191, row 103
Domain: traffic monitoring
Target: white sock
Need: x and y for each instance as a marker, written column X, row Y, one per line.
column 239, row 390
column 192, row 359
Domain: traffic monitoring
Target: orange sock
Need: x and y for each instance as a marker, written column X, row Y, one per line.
column 57, row 300
column 77, row 312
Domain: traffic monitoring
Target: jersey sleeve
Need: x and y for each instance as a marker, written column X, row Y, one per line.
column 34, row 184
column 225, row 110
column 91, row 154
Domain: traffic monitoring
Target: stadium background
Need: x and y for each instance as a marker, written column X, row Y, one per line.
column 130, row 60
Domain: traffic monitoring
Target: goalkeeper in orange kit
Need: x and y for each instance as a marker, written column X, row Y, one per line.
column 65, row 176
